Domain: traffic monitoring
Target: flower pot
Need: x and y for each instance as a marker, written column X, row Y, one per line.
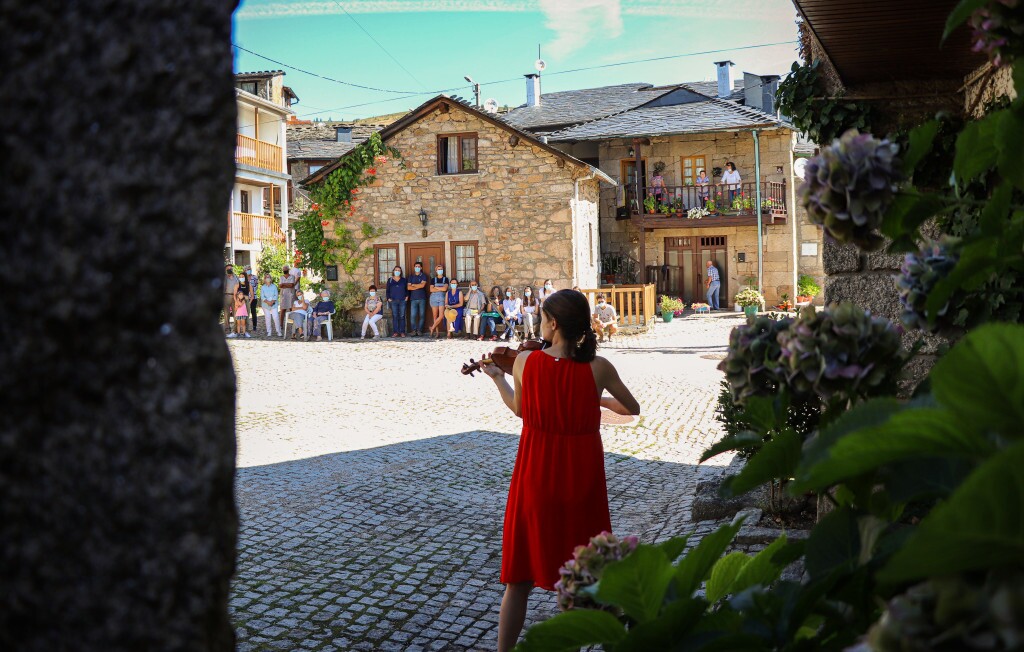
column 750, row 311
column 737, row 307
column 666, row 315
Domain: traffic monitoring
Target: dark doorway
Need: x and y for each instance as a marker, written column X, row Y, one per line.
column 684, row 272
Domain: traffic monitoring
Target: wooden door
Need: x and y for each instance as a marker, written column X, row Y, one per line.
column 686, row 267
column 628, row 172
column 713, row 248
column 427, row 254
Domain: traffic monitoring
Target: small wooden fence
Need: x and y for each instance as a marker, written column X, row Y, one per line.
column 250, row 229
column 635, row 304
column 250, row 151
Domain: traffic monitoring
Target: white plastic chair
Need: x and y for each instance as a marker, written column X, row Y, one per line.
column 328, row 324
column 288, row 320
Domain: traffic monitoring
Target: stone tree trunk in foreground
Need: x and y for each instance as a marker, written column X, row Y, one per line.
column 117, row 517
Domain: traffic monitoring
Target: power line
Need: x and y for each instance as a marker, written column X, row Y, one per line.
column 397, row 62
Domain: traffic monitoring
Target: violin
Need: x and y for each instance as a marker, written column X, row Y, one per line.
column 502, row 356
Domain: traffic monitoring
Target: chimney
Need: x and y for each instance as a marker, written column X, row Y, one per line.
column 724, row 78
column 343, row 134
column 532, row 89
column 759, row 91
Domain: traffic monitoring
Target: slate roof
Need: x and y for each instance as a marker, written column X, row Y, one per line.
column 318, row 149
column 318, row 140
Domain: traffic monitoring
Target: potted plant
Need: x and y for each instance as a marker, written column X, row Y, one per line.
column 697, row 213
column 785, row 304
column 711, row 207
column 669, row 306
column 677, row 206
column 651, row 204
column 806, row 289
column 751, row 300
column 664, row 209
column 767, row 205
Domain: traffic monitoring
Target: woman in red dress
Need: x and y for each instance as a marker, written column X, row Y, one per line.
column 557, row 499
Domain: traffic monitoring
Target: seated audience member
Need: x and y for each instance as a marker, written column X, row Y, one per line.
column 453, row 302
column 512, row 307
column 322, row 312
column 531, row 316
column 298, row 312
column 476, row 302
column 372, row 307
column 605, row 318
column 492, row 314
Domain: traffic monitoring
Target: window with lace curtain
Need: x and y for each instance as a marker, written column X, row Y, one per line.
column 456, row 154
column 464, row 255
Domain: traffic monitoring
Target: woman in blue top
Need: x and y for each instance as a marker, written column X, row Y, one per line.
column 438, row 287
column 453, row 302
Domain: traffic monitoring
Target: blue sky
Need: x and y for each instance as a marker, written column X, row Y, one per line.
column 437, row 42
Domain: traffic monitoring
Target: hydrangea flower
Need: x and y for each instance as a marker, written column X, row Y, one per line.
column 585, row 568
column 997, row 30
column 751, row 364
column 850, row 185
column 920, row 272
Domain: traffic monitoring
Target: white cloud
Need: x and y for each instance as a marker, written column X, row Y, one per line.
column 577, row 22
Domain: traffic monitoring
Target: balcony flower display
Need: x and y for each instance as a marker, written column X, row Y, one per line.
column 697, row 213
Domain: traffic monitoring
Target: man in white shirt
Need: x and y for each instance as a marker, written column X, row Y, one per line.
column 606, row 321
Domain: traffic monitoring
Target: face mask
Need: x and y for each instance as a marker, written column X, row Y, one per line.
column 397, row 273
column 440, row 272
column 547, row 286
column 472, row 287
column 600, row 303
column 454, row 285
column 373, row 293
column 418, row 269
column 508, row 294
column 528, row 293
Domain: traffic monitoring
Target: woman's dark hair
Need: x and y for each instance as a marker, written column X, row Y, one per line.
column 572, row 312
column 731, row 165
column 372, row 287
column 501, row 292
column 529, row 300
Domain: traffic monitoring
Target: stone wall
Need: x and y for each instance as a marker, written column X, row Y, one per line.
column 718, row 148
column 985, row 85
column 117, row 447
column 518, row 207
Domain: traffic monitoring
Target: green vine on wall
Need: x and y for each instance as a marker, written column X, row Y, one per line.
column 327, row 233
column 803, row 98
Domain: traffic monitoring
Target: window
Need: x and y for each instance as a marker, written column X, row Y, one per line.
column 691, row 167
column 244, row 200
column 385, row 258
column 248, row 87
column 464, row 255
column 315, row 168
column 456, row 154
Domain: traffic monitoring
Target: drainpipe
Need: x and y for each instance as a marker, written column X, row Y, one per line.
column 573, row 203
column 757, row 211
column 791, row 216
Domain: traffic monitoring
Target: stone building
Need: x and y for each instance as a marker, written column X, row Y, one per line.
column 482, row 198
column 314, row 145
column 688, row 127
column 257, row 214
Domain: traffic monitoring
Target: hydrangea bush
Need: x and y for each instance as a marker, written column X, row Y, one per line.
column 997, row 30
column 850, row 185
column 584, row 570
column 920, row 272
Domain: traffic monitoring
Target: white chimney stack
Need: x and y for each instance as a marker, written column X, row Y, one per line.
column 532, row 89
column 724, row 78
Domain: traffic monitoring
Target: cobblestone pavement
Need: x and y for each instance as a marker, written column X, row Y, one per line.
column 373, row 479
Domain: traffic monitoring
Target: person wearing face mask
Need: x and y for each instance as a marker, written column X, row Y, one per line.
column 512, row 307
column 268, row 297
column 241, row 312
column 453, row 303
column 417, row 299
column 438, row 288
column 298, row 314
column 230, row 287
column 322, row 312
column 397, row 296
column 249, row 291
column 287, row 284
column 491, row 315
column 605, row 318
column 545, row 290
column 476, row 302
column 530, row 315
column 254, row 303
column 372, row 307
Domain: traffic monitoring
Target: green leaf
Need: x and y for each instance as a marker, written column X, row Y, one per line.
column 834, row 544
column 763, row 569
column 673, row 547
column 745, row 439
column 1009, row 137
column 980, row 526
column 571, row 630
column 960, row 14
column 776, row 460
column 996, row 212
column 975, row 148
column 981, row 378
column 909, row 211
column 923, row 432
column 637, row 583
column 694, row 567
column 667, row 630
column 759, row 412
column 866, row 415
column 977, row 262
column 1018, row 85
column 920, row 140
column 723, row 574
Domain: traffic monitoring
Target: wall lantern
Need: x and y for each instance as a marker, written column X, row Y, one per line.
column 423, row 221
column 632, row 153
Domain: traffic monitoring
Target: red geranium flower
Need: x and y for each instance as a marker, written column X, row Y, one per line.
column 323, row 242
column 372, row 171
column 316, row 207
column 323, row 222
column 355, row 191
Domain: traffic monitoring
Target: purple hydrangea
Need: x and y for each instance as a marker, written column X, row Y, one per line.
column 751, row 363
column 850, row 185
column 920, row 272
column 998, row 31
column 582, row 572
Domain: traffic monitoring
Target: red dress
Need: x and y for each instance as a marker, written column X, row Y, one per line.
column 557, row 499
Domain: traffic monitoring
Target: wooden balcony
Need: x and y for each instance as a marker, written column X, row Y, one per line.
column 252, row 229
column 250, row 151
column 668, row 209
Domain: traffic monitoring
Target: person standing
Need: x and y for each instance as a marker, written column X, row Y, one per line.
column 476, row 302
column 249, row 291
column 731, row 179
column 397, row 293
column 531, row 318
column 453, row 302
column 241, row 312
column 230, row 287
column 269, row 297
column 512, row 308
column 703, row 187
column 606, row 321
column 372, row 307
column 417, row 299
column 438, row 288
column 287, row 284
column 558, row 498
column 254, row 302
column 713, row 282
column 658, row 183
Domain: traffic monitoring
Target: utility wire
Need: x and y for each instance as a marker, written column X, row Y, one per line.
column 397, row 62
